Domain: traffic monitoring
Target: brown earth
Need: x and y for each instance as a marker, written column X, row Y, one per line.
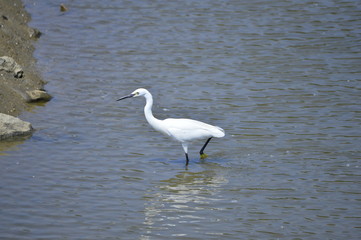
column 17, row 41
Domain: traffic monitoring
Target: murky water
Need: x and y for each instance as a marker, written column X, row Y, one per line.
column 281, row 77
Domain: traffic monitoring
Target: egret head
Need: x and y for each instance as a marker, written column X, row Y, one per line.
column 137, row 93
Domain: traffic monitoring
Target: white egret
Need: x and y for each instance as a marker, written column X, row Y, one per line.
column 182, row 130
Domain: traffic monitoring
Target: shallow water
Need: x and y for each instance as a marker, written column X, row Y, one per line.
column 282, row 78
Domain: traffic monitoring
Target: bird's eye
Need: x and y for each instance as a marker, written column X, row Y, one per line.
column 137, row 93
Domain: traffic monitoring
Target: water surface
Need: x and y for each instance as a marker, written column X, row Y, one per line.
column 281, row 77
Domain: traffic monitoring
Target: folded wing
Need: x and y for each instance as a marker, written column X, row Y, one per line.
column 186, row 130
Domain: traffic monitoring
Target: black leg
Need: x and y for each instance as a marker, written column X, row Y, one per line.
column 187, row 159
column 204, row 146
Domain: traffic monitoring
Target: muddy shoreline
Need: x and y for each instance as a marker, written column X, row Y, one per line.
column 20, row 81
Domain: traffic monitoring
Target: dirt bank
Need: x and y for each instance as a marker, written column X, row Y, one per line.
column 24, row 85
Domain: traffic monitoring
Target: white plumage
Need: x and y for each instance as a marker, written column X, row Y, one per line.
column 180, row 129
column 185, row 130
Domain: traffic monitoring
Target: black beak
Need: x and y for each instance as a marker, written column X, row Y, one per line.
column 128, row 96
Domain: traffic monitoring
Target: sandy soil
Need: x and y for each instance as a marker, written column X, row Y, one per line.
column 17, row 41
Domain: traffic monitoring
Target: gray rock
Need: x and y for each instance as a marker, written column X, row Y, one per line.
column 38, row 95
column 34, row 33
column 8, row 64
column 11, row 127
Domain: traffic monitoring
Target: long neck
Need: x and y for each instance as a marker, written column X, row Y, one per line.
column 148, row 111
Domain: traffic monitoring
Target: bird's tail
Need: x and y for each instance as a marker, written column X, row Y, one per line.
column 219, row 132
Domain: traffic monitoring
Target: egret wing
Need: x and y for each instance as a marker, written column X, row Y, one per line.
column 187, row 129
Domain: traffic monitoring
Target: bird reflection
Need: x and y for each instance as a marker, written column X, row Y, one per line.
column 184, row 199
